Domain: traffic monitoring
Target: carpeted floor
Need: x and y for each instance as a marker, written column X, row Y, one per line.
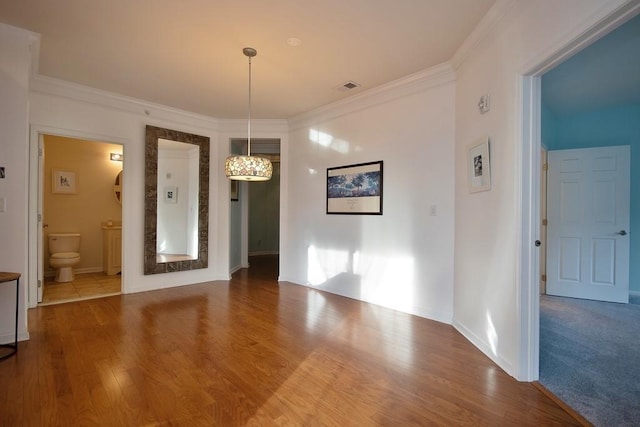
column 590, row 358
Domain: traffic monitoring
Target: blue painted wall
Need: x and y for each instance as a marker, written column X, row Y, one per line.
column 609, row 127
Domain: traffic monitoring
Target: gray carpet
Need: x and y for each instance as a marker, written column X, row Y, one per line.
column 590, row 358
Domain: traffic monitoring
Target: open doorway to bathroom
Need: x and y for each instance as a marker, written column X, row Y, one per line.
column 81, row 194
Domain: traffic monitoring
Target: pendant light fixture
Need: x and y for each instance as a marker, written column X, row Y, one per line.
column 248, row 168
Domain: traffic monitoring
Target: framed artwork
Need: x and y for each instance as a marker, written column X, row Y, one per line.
column 171, row 194
column 479, row 166
column 234, row 190
column 63, row 182
column 355, row 189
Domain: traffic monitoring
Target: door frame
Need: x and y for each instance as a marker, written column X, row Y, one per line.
column 528, row 300
column 243, row 188
column 35, row 245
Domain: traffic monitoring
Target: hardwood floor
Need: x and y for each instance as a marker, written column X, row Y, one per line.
column 252, row 352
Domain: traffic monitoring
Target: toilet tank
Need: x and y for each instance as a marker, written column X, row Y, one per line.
column 64, row 242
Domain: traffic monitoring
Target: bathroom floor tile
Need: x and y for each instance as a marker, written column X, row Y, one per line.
column 84, row 286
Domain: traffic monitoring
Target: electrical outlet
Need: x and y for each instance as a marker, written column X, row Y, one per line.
column 433, row 210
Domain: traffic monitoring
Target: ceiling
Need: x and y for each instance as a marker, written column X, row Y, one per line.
column 187, row 54
column 604, row 75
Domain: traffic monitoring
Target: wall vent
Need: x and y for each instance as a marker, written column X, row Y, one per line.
column 348, row 85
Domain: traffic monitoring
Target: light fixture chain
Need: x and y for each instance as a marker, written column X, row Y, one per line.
column 248, row 168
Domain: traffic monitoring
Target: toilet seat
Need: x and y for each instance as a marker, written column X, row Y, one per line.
column 65, row 255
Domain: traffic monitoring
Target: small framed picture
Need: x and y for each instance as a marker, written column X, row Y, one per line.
column 63, row 182
column 234, row 190
column 171, row 194
column 479, row 166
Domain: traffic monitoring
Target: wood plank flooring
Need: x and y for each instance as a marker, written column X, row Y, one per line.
column 254, row 352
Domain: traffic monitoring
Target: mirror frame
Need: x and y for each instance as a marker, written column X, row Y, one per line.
column 151, row 265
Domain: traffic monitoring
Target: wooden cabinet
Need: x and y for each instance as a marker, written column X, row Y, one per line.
column 112, row 249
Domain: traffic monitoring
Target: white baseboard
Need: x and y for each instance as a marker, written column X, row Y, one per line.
column 8, row 338
column 484, row 347
column 634, row 293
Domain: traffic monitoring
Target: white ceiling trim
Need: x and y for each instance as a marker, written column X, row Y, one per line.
column 412, row 84
column 259, row 127
column 64, row 89
column 601, row 22
column 498, row 12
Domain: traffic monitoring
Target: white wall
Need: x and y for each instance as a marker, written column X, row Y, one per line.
column 14, row 96
column 59, row 107
column 488, row 284
column 402, row 259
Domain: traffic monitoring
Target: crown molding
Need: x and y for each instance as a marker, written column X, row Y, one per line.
column 258, row 126
column 483, row 30
column 409, row 85
column 602, row 21
column 34, row 50
column 34, row 44
column 64, row 89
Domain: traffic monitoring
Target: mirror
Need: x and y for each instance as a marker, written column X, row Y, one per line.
column 117, row 187
column 176, row 205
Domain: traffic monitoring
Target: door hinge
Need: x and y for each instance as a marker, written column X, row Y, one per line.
column 545, row 167
column 39, row 217
column 544, row 277
column 39, row 283
column 544, row 222
column 39, row 152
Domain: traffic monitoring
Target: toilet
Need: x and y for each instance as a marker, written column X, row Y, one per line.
column 64, row 250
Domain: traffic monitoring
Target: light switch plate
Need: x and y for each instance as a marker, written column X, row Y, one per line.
column 483, row 104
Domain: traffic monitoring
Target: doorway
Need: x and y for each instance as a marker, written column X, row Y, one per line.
column 255, row 211
column 80, row 193
column 533, row 138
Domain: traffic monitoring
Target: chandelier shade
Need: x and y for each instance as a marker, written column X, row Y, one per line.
column 248, row 168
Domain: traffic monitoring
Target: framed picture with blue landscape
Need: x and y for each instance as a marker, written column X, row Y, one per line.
column 355, row 189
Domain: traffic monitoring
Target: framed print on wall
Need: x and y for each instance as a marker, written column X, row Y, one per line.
column 479, row 166
column 355, row 189
column 171, row 194
column 63, row 182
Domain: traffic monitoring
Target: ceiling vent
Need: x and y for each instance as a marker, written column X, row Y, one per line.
column 348, row 85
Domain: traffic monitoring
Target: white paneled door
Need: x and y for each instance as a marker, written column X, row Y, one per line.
column 588, row 223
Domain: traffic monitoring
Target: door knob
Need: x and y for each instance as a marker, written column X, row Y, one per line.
column 622, row 232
